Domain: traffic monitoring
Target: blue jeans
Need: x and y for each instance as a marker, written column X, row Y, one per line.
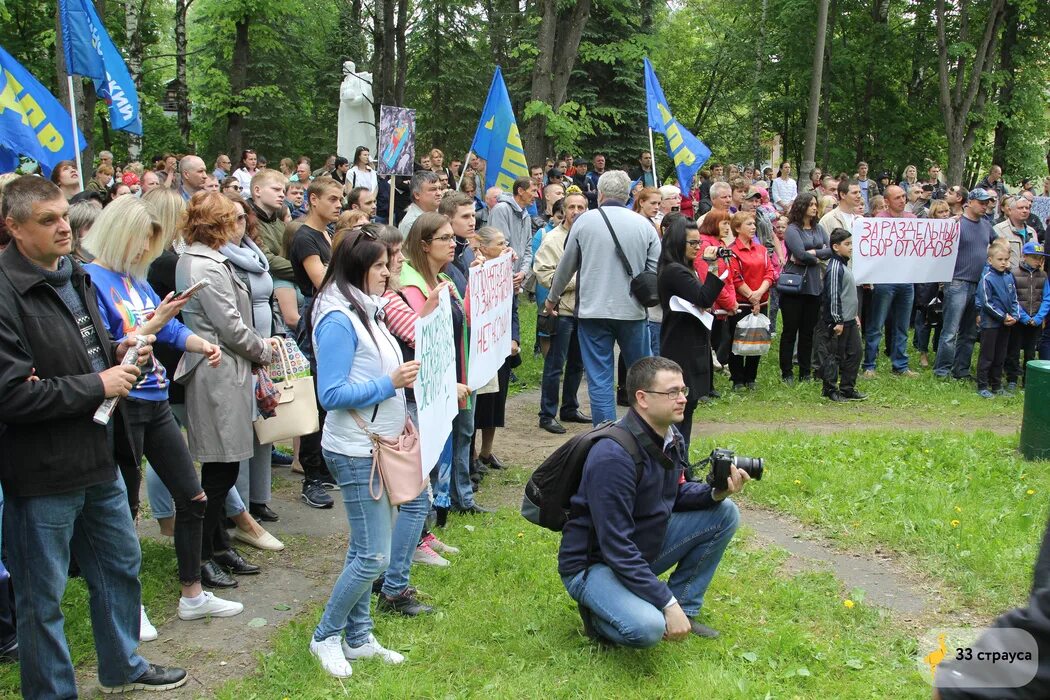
column 695, row 541
column 597, row 336
column 94, row 525
column 563, row 355
column 959, row 330
column 460, row 488
column 347, row 611
column 654, row 338
column 408, row 527
column 892, row 301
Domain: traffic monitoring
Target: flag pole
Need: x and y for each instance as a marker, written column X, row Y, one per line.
column 652, row 153
column 463, row 172
column 76, row 129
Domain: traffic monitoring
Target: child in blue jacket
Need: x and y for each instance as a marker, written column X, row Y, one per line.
column 997, row 311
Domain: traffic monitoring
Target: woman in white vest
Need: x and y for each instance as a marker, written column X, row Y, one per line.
column 361, row 378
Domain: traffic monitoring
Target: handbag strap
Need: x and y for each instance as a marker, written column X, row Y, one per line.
column 286, row 363
column 616, row 242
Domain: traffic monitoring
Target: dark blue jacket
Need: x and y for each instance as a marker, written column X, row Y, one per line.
column 620, row 520
column 996, row 297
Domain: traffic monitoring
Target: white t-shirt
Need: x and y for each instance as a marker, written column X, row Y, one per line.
column 355, row 177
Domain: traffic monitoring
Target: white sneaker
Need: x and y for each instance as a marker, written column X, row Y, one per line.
column 213, row 606
column 425, row 555
column 371, row 649
column 147, row 632
column 439, row 546
column 329, row 652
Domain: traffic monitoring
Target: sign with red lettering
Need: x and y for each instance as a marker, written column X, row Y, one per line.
column 887, row 250
column 491, row 293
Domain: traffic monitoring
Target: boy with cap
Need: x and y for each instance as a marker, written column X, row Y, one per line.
column 997, row 312
column 1033, row 296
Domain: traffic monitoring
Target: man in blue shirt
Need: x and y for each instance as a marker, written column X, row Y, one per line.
column 627, row 527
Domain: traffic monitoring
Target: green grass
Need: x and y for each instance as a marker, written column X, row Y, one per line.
column 506, row 628
column 964, row 508
column 530, row 373
column 160, row 591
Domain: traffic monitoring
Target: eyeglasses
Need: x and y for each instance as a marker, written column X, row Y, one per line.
column 442, row 239
column 693, row 244
column 672, row 394
column 233, row 187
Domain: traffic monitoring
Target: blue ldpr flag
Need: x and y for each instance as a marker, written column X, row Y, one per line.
column 497, row 139
column 687, row 152
column 90, row 52
column 32, row 122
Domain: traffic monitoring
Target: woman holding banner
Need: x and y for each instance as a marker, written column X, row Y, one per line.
column 361, row 378
column 430, row 246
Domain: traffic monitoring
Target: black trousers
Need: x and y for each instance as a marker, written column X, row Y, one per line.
column 310, row 457
column 217, row 478
column 800, row 314
column 1021, row 349
column 154, row 433
column 839, row 357
column 994, row 343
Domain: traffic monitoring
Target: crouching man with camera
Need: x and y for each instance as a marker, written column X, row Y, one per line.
column 631, row 521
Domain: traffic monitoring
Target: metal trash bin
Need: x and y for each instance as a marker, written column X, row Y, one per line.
column 1035, row 426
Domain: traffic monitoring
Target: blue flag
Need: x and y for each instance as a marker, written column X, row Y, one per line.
column 32, row 122
column 90, row 52
column 497, row 139
column 687, row 152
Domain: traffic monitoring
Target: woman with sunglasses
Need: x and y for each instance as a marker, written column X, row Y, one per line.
column 361, row 378
column 683, row 337
column 231, row 185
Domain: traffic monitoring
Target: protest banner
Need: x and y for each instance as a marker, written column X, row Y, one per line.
column 1041, row 208
column 491, row 292
column 888, row 250
column 397, row 140
column 435, row 386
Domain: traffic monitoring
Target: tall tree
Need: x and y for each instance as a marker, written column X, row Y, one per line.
column 135, row 49
column 182, row 102
column 813, row 114
column 238, row 82
column 963, row 102
column 1006, row 91
column 756, row 95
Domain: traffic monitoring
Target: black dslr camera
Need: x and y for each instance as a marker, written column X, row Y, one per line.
column 721, row 459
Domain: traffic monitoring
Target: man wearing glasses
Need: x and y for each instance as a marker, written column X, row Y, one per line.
column 629, row 524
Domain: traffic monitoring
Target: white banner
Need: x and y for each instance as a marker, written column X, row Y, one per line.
column 888, row 250
column 435, row 386
column 491, row 291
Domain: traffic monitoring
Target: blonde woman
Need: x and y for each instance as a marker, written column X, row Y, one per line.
column 911, row 177
column 131, row 240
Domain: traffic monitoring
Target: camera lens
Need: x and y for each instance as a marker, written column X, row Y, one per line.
column 752, row 465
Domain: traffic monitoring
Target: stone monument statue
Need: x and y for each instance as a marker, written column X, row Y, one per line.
column 357, row 125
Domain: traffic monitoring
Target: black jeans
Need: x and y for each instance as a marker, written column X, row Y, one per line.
column 743, row 369
column 217, row 478
column 839, row 357
column 155, row 434
column 1021, row 350
column 310, row 457
column 994, row 342
column 800, row 318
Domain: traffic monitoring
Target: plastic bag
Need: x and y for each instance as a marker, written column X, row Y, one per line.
column 752, row 336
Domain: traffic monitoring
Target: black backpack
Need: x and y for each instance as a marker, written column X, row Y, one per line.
column 556, row 480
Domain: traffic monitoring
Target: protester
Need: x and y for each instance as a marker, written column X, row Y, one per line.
column 64, row 497
column 838, row 332
column 647, row 203
column 959, row 330
column 562, row 363
column 129, row 305
column 779, row 255
column 363, row 200
column 1014, row 228
column 1033, row 295
column 511, row 218
column 65, row 175
column 868, row 188
column 807, row 243
column 193, row 175
column 607, row 313
column 715, row 230
column 751, row 275
column 685, row 338
column 246, row 170
column 624, row 533
column 426, row 196
column 361, row 173
column 909, row 180
column 100, row 183
column 784, row 189
column 997, row 311
column 219, row 401
column 223, row 167
column 644, row 172
column 361, row 381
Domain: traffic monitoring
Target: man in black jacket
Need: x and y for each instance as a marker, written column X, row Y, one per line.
column 626, row 528
column 64, row 495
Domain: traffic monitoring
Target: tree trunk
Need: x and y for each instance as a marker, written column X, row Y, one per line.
column 238, row 82
column 402, row 53
column 557, row 40
column 182, row 102
column 1006, row 92
column 813, row 114
column 962, row 104
column 880, row 14
column 756, row 95
column 132, row 12
column 827, row 79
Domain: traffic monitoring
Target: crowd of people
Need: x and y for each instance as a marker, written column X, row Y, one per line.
column 338, row 263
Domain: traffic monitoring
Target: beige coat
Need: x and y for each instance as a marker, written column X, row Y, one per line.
column 219, row 400
column 546, row 264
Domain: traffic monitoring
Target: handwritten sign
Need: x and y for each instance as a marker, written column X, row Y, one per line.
column 887, row 250
column 491, row 292
column 435, row 386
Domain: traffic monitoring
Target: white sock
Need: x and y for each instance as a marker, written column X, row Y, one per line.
column 195, row 600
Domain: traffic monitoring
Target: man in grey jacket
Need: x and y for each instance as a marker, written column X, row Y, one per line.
column 510, row 216
column 606, row 311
